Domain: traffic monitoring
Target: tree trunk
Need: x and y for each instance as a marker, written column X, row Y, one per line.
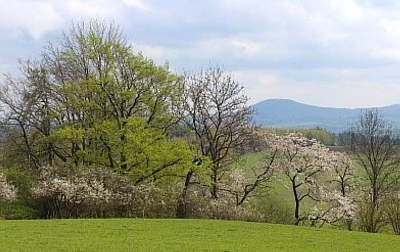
column 181, row 210
column 214, row 188
column 297, row 203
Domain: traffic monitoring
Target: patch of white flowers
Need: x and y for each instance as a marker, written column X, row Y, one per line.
column 88, row 192
column 88, row 187
column 7, row 191
column 76, row 190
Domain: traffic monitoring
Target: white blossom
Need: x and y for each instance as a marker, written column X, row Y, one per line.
column 312, row 170
column 7, row 191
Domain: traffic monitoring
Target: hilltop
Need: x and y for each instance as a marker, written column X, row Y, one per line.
column 285, row 113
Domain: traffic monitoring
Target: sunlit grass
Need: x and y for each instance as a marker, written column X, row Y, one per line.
column 181, row 235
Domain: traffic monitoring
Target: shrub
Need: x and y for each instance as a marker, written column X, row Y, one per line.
column 274, row 209
column 17, row 209
column 98, row 192
column 7, row 190
column 88, row 193
column 392, row 211
column 369, row 217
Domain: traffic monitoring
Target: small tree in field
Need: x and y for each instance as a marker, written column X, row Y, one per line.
column 373, row 144
column 343, row 179
column 307, row 165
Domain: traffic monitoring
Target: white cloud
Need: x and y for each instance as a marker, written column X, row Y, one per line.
column 349, row 9
column 248, row 48
column 343, row 52
column 40, row 17
column 37, row 18
column 136, row 4
column 79, row 9
column 342, row 89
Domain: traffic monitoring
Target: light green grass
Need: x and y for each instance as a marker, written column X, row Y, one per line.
column 181, row 235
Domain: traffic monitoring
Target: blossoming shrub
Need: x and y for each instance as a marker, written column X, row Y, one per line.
column 7, row 193
column 84, row 194
column 201, row 205
column 98, row 192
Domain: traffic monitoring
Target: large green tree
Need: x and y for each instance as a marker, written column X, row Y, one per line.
column 91, row 100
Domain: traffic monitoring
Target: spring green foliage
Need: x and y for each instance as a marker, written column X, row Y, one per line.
column 92, row 101
column 119, row 110
column 181, row 235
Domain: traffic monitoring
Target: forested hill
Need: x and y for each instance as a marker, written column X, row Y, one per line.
column 285, row 113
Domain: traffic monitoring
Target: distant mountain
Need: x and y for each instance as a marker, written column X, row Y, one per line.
column 284, row 113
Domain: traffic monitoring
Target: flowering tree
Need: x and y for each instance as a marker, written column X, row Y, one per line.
column 307, row 168
column 344, row 181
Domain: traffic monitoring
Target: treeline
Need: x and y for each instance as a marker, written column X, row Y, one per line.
column 93, row 129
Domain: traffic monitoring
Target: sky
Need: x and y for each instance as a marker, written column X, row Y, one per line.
column 332, row 53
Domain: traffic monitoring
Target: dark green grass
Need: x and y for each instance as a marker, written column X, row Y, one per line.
column 181, row 235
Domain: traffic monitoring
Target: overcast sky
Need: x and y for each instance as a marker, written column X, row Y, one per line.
column 341, row 53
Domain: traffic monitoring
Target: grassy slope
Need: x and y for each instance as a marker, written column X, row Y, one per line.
column 181, row 235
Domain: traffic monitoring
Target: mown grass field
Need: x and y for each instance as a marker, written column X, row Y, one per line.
column 181, row 235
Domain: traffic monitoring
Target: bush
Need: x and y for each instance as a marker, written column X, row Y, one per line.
column 98, row 192
column 21, row 180
column 17, row 210
column 392, row 211
column 7, row 190
column 199, row 204
column 274, row 209
column 369, row 218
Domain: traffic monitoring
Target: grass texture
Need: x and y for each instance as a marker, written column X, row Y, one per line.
column 181, row 235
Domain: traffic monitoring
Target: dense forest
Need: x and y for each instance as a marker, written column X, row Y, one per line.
column 92, row 129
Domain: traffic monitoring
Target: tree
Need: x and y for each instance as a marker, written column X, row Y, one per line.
column 108, row 91
column 29, row 104
column 372, row 142
column 308, row 166
column 344, row 180
column 215, row 110
column 90, row 100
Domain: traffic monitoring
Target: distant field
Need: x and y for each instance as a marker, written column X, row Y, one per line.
column 181, row 235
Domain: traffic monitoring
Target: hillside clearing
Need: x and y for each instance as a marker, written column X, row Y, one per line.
column 181, row 235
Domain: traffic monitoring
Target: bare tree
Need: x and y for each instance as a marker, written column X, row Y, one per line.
column 29, row 107
column 216, row 111
column 373, row 145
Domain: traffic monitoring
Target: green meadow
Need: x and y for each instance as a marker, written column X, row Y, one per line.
column 181, row 235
